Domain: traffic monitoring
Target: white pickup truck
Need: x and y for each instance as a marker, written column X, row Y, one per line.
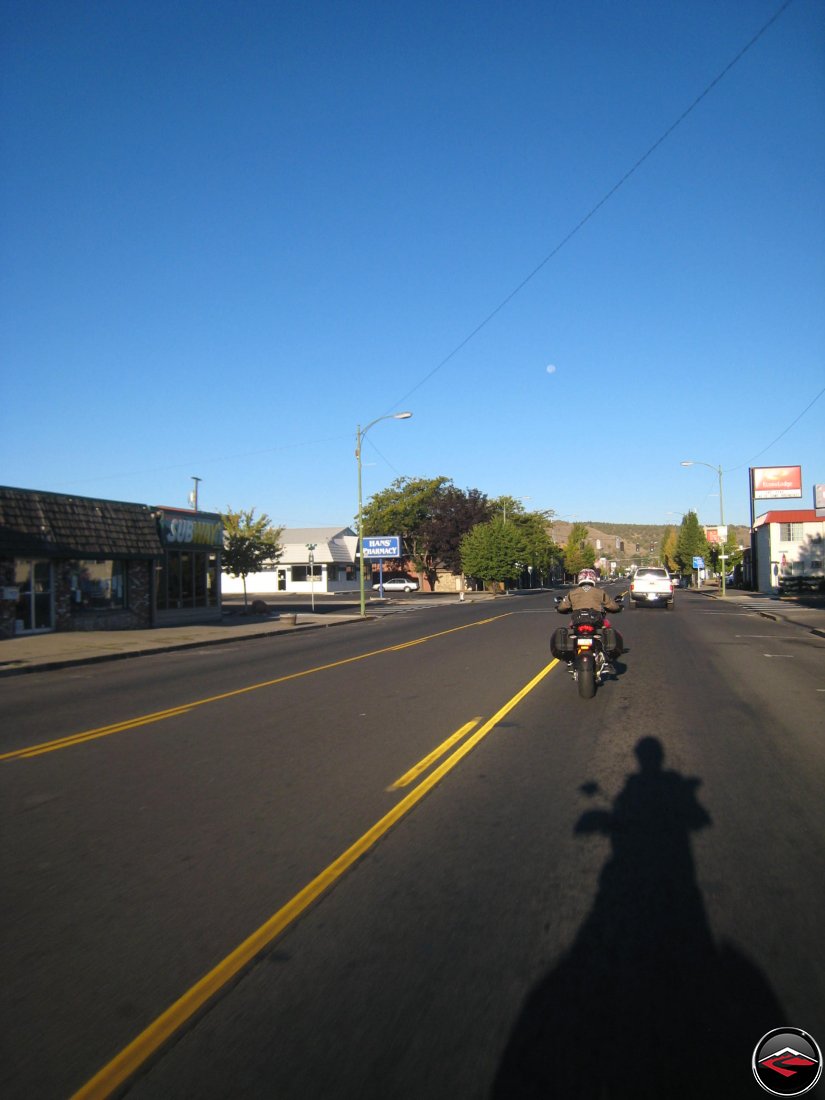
column 651, row 584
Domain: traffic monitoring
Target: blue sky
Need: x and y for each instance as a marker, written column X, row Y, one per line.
column 233, row 232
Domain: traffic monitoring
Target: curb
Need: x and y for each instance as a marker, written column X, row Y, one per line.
column 776, row 618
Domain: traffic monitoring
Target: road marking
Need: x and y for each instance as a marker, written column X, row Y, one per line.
column 438, row 752
column 157, row 716
column 789, row 656
column 132, row 1057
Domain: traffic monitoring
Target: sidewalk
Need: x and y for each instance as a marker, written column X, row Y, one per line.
column 44, row 652
column 807, row 612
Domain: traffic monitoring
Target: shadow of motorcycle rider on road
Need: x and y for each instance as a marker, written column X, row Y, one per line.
column 644, row 1004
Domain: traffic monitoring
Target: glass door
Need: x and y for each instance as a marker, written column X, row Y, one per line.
column 34, row 603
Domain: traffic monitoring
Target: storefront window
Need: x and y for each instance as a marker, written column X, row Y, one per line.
column 187, row 578
column 173, row 580
column 213, row 581
column 200, row 579
column 98, row 585
column 306, row 572
column 34, row 604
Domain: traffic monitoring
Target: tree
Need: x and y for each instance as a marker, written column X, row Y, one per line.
column 507, row 507
column 733, row 551
column 578, row 554
column 537, row 547
column 690, row 543
column 432, row 517
column 668, row 550
column 730, row 548
column 453, row 513
column 403, row 509
column 248, row 543
column 493, row 551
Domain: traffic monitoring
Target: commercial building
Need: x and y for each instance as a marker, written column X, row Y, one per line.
column 790, row 551
column 78, row 563
column 312, row 559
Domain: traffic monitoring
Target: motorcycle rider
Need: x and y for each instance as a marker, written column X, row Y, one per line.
column 586, row 594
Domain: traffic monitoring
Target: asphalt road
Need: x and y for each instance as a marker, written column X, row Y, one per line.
column 606, row 898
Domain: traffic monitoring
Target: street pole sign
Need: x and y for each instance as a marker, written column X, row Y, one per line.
column 312, row 546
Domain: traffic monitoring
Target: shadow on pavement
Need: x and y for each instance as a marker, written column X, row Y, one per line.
column 644, row 1004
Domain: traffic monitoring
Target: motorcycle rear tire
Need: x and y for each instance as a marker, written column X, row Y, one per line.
column 586, row 676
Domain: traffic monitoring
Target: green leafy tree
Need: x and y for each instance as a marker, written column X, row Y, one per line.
column 734, row 553
column 507, row 507
column 730, row 548
column 578, row 554
column 493, row 552
column 668, row 550
column 537, row 547
column 453, row 512
column 248, row 543
column 403, row 509
column 691, row 542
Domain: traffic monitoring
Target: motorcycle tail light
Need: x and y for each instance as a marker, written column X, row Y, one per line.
column 585, row 629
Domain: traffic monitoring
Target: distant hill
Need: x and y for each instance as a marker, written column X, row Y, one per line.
column 635, row 539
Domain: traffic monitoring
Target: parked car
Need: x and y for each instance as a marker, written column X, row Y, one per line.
column 397, row 584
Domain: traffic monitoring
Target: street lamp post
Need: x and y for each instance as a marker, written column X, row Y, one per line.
column 359, row 438
column 718, row 470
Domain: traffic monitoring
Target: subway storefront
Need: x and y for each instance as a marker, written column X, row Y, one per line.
column 77, row 563
column 188, row 576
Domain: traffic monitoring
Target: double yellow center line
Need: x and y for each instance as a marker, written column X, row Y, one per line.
column 174, row 712
column 132, row 1057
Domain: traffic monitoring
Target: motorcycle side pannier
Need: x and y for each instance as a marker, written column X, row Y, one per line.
column 611, row 643
column 561, row 644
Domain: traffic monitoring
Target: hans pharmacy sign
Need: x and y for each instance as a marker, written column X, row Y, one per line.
column 382, row 546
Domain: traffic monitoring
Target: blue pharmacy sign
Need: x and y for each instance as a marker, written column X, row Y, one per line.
column 382, row 546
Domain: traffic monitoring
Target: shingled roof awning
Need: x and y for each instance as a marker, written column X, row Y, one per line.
column 35, row 524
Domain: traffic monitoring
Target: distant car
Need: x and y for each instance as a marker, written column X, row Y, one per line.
column 397, row 584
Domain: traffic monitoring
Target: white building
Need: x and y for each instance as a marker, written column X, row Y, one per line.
column 790, row 548
column 330, row 566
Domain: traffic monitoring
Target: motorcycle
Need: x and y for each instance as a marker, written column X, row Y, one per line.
column 587, row 645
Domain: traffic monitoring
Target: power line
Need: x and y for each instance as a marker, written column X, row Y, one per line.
column 781, row 434
column 606, row 198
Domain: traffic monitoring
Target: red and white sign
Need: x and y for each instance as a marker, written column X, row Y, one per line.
column 716, row 535
column 768, row 482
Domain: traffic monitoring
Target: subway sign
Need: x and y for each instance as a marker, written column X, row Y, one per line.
column 190, row 530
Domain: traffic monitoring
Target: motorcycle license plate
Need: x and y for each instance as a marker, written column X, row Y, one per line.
column 585, row 643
